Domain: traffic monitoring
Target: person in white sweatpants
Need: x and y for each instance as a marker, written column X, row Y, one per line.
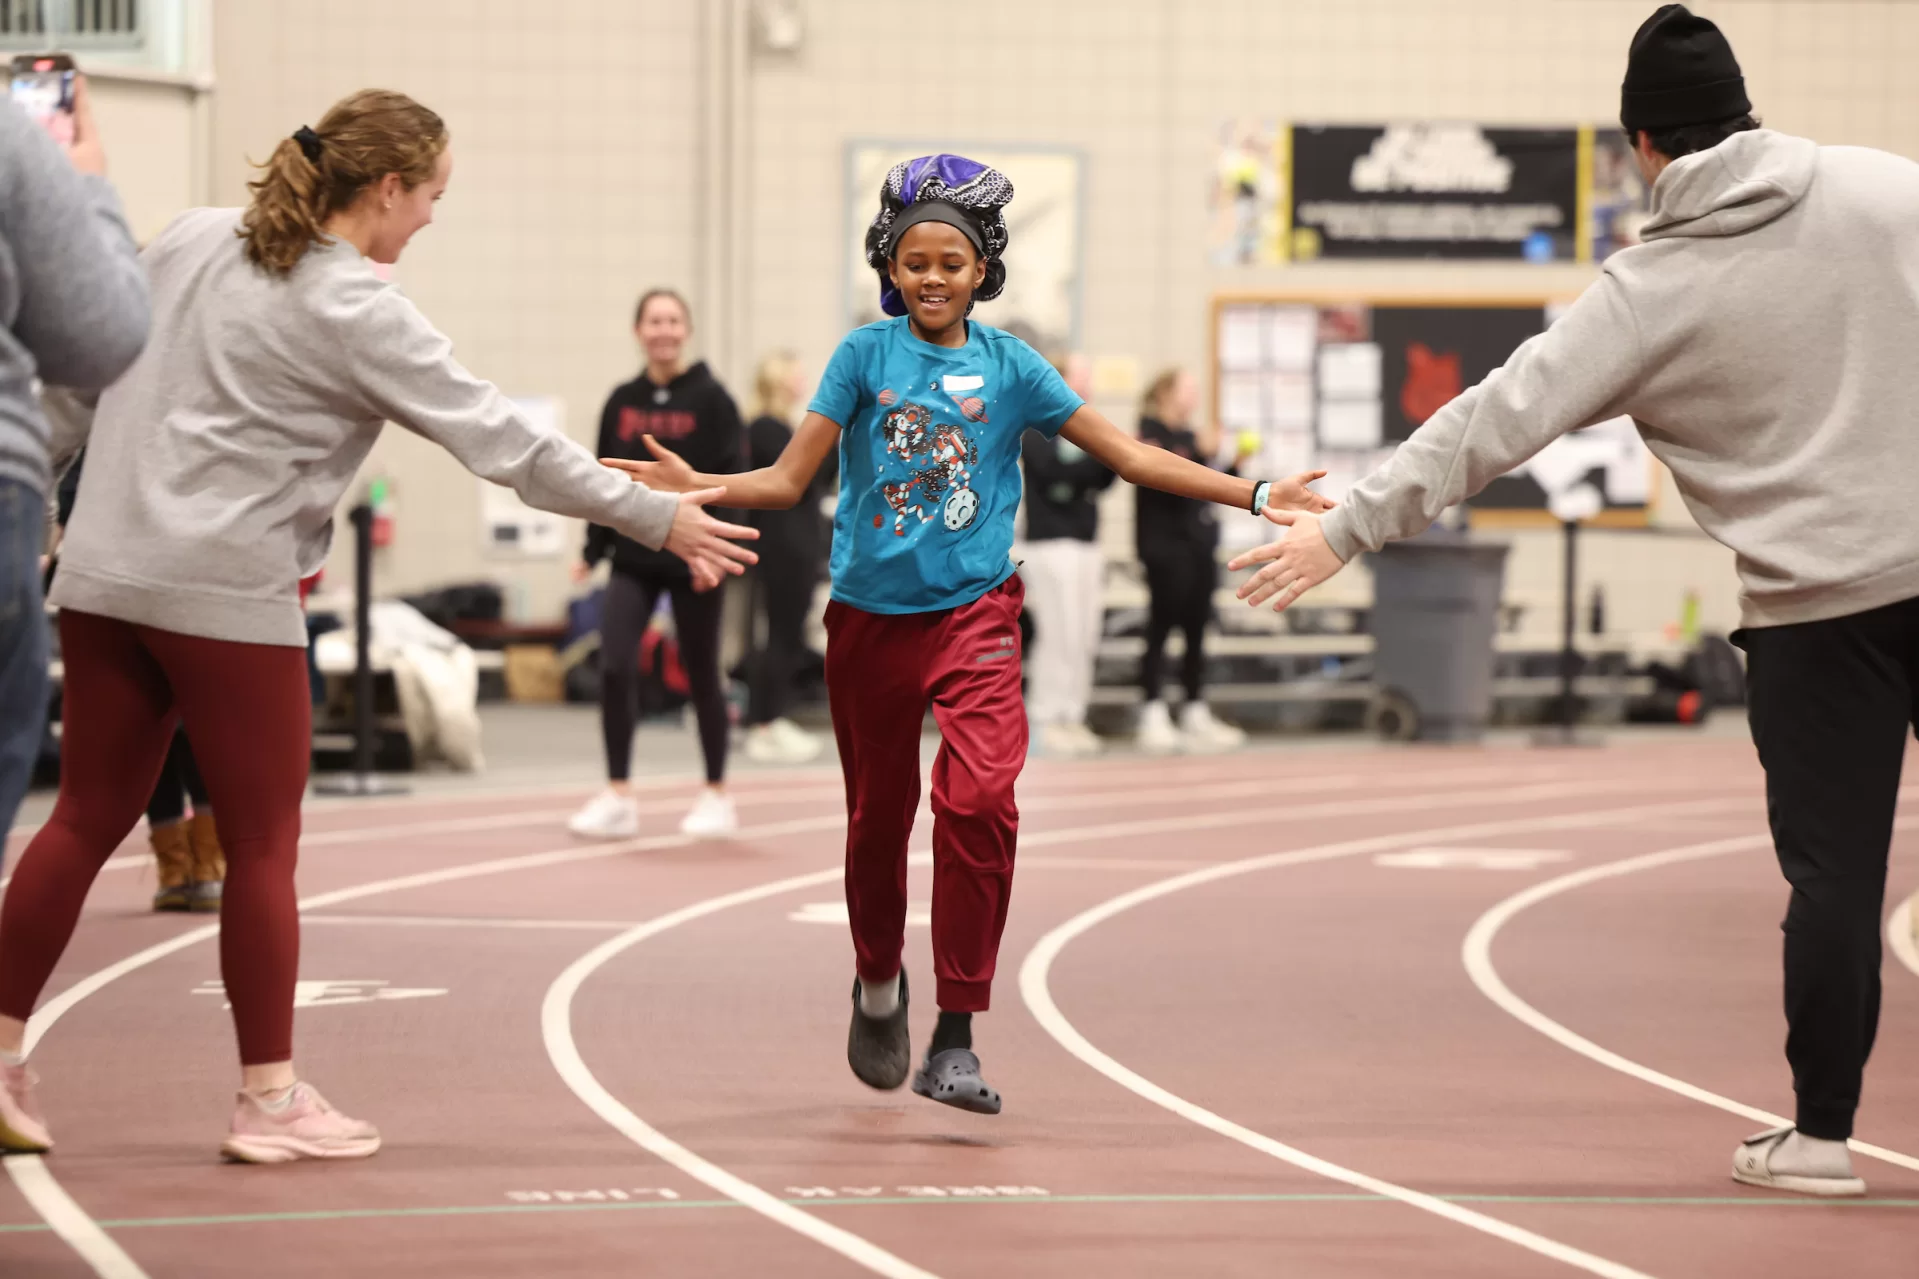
column 1065, row 575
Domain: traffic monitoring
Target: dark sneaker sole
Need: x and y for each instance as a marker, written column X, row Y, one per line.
column 880, row 1049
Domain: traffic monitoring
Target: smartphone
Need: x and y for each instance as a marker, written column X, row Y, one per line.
column 43, row 88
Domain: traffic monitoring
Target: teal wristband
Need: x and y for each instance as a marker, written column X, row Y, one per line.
column 1261, row 491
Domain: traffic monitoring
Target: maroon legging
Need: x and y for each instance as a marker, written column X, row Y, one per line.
column 249, row 713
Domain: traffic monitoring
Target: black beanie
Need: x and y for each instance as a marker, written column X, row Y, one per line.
column 1680, row 71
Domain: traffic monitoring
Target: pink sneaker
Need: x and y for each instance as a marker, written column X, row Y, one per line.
column 308, row 1128
column 22, row 1129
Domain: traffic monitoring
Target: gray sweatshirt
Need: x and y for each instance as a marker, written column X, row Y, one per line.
column 215, row 465
column 73, row 301
column 1764, row 341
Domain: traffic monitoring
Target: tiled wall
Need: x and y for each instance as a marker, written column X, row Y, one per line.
column 579, row 128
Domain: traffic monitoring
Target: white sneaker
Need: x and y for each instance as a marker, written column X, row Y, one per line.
column 1067, row 741
column 781, row 742
column 1783, row 1159
column 1205, row 734
column 608, row 815
column 1089, row 741
column 1155, row 733
column 712, row 816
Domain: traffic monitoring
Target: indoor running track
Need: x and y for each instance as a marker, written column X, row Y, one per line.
column 1344, row 1012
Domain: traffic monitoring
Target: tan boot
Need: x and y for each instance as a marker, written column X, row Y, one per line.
column 173, row 859
column 209, row 863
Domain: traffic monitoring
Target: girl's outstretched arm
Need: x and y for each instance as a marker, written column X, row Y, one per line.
column 774, row 487
column 1155, row 468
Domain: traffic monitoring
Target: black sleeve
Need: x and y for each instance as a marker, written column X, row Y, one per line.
column 599, row 538
column 69, row 490
column 735, row 453
column 1042, row 459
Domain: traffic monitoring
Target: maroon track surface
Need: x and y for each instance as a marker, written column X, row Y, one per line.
column 1323, row 1004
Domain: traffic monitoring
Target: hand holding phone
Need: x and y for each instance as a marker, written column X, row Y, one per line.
column 51, row 91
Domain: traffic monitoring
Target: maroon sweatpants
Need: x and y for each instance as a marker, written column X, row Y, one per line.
column 248, row 712
column 881, row 672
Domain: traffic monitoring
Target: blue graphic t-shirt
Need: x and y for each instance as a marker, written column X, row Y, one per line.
column 929, row 461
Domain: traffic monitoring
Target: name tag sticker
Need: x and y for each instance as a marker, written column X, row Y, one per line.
column 956, row 382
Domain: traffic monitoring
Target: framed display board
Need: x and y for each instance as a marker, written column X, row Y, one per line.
column 1338, row 381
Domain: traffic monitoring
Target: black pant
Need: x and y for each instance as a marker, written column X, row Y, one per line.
column 179, row 781
column 1831, row 703
column 1180, row 590
column 696, row 620
column 784, row 593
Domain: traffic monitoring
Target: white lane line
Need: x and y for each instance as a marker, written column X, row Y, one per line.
column 1901, row 936
column 68, row 1220
column 556, row 1011
column 1037, row 968
column 556, row 1029
column 458, row 921
column 1476, row 952
column 61, row 1004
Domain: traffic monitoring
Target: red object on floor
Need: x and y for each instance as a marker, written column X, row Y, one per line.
column 881, row 672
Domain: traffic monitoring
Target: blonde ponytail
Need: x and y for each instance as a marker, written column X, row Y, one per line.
column 319, row 172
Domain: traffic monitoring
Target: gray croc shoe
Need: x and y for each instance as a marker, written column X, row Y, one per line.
column 952, row 1078
column 879, row 1049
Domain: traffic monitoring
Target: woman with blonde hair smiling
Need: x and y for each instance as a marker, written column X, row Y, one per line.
column 215, row 466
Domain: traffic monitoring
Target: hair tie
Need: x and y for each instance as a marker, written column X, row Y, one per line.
column 309, row 143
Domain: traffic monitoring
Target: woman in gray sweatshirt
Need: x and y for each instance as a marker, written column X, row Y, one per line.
column 213, row 470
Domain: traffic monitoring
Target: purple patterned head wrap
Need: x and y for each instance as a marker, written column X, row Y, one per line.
column 978, row 193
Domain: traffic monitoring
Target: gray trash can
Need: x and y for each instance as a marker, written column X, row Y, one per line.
column 1435, row 612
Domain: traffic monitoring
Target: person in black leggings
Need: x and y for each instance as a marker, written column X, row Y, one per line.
column 793, row 546
column 190, row 866
column 686, row 409
column 1177, row 540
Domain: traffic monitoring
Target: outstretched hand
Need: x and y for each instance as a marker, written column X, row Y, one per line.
column 1295, row 564
column 1294, row 495
column 706, row 544
column 669, row 474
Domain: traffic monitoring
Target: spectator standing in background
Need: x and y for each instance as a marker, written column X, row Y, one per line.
column 75, row 302
column 1178, row 543
column 1065, row 574
column 684, row 407
column 793, row 546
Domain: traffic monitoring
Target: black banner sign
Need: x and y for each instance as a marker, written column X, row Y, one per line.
column 1434, row 191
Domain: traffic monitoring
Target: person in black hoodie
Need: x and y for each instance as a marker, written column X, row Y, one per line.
column 686, row 409
column 794, row 545
column 1065, row 574
column 1178, row 540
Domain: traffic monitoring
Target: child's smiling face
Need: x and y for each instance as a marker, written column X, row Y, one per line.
column 936, row 269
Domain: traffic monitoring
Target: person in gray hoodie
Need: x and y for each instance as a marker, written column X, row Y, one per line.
column 1762, row 338
column 73, row 311
column 214, row 467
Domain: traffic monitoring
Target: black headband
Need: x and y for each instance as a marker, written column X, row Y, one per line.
column 936, row 211
column 309, row 143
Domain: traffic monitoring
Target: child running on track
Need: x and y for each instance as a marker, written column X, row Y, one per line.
column 928, row 409
column 217, row 463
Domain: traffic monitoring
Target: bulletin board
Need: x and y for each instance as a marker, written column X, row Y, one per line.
column 1337, row 381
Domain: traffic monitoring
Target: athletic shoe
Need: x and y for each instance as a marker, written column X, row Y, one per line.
column 608, row 815
column 173, row 864
column 781, row 742
column 1205, row 735
column 712, row 816
column 1775, row 1160
column 1089, row 741
column 880, row 1049
column 1061, row 741
column 1155, row 734
column 308, row 1128
column 952, row 1078
column 23, row 1131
